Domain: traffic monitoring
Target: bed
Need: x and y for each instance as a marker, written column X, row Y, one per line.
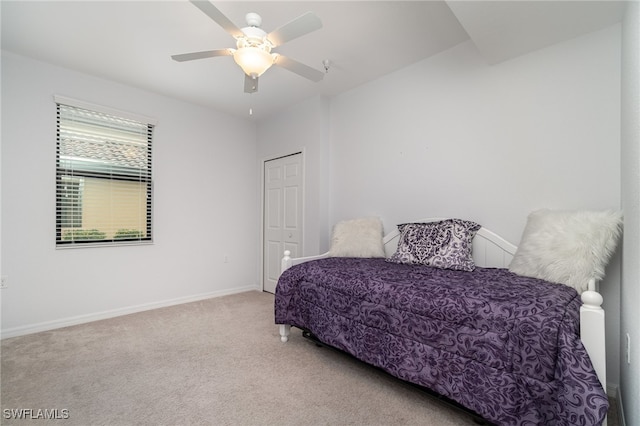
column 515, row 349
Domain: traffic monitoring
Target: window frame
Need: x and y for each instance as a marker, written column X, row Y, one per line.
column 143, row 178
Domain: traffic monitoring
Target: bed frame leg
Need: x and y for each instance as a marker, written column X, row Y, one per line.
column 285, row 329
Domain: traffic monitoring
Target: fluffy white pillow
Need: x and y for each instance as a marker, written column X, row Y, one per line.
column 568, row 247
column 357, row 238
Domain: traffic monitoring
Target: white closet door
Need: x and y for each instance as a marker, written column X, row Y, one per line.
column 282, row 214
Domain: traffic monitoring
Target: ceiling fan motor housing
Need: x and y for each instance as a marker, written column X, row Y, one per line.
column 254, row 37
column 253, row 19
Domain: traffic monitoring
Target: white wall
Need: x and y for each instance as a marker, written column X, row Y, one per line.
column 205, row 204
column 630, row 288
column 453, row 136
column 303, row 128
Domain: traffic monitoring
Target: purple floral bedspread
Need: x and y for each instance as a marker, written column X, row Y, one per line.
column 502, row 345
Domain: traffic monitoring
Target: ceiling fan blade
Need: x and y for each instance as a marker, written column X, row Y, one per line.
column 212, row 12
column 299, row 68
column 300, row 26
column 250, row 84
column 201, row 55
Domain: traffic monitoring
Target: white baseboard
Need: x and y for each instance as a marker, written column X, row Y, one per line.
column 81, row 319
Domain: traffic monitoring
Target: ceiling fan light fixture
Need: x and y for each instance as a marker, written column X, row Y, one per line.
column 253, row 60
column 253, row 52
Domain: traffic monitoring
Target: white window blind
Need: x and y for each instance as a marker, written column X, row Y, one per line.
column 103, row 178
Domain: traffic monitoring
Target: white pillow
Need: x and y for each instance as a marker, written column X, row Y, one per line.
column 568, row 247
column 357, row 238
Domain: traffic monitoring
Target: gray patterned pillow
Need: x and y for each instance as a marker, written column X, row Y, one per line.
column 445, row 244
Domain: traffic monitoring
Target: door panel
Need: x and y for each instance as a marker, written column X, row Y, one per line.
column 273, row 205
column 291, row 207
column 282, row 214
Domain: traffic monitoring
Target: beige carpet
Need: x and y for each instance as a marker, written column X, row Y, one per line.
column 213, row 362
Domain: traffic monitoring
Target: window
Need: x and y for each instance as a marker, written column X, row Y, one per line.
column 70, row 202
column 103, row 176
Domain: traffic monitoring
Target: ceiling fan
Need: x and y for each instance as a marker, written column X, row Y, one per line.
column 253, row 45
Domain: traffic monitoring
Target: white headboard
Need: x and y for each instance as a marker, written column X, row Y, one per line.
column 489, row 249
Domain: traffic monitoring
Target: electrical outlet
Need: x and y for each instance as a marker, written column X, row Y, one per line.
column 628, row 349
column 4, row 281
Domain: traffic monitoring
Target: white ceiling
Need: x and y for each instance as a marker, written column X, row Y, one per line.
column 131, row 41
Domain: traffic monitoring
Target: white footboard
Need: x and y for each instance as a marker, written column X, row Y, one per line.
column 286, row 263
column 592, row 331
